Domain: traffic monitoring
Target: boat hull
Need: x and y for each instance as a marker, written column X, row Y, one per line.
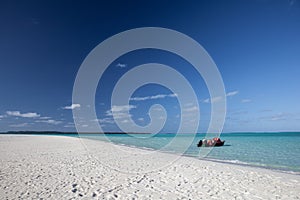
column 218, row 144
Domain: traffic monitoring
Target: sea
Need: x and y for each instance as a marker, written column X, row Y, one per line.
column 277, row 151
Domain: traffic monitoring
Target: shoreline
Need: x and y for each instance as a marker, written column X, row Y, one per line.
column 230, row 162
column 280, row 169
column 62, row 167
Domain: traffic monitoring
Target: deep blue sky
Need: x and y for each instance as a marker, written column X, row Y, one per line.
column 255, row 44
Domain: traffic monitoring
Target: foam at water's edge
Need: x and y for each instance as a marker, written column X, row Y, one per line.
column 283, row 169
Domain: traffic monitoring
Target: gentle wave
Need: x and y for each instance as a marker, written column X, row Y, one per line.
column 279, row 151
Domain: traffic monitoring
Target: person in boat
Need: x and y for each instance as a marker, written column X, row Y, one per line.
column 205, row 143
column 216, row 140
column 200, row 143
column 209, row 143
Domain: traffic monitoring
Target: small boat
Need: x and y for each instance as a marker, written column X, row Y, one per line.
column 216, row 142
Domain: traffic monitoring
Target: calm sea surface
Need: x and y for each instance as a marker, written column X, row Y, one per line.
column 279, row 151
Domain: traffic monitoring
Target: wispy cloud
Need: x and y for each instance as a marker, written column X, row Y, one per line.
column 219, row 98
column 213, row 100
column 191, row 109
column 45, row 117
column 121, row 65
column 121, row 108
column 189, row 113
column 277, row 117
column 159, row 96
column 69, row 125
column 239, row 112
column 19, row 125
column 72, row 106
column 189, row 104
column 246, row 100
column 26, row 115
column 120, row 112
column 229, row 94
column 105, row 120
column 124, row 121
column 216, row 99
column 266, row 110
column 50, row 121
column 206, row 100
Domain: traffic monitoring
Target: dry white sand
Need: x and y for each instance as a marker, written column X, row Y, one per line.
column 57, row 167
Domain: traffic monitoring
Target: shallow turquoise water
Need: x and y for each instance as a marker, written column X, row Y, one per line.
column 273, row 150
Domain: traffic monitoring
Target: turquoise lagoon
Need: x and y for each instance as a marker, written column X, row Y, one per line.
column 279, row 151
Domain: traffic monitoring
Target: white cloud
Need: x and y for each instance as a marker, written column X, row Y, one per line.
column 124, row 108
column 191, row 109
column 117, row 112
column 71, row 107
column 279, row 116
column 239, row 112
column 266, row 110
column 69, row 125
column 213, row 100
column 232, row 93
column 246, row 100
column 161, row 117
column 121, row 65
column 118, row 115
column 19, row 114
column 50, row 121
column 216, row 99
column 159, row 96
column 189, row 112
column 45, row 117
column 105, row 121
column 124, row 121
column 189, row 104
column 19, row 125
column 206, row 100
column 219, row 98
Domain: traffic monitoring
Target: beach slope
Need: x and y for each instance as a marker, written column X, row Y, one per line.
column 58, row 167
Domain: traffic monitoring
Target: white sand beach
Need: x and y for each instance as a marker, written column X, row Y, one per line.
column 58, row 167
